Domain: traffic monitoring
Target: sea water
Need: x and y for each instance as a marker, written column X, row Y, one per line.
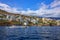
column 30, row 33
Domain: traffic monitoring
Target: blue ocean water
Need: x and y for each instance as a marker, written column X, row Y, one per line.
column 30, row 33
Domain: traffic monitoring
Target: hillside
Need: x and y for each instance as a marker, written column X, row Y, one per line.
column 7, row 18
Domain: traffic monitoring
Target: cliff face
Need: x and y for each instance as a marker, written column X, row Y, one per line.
column 7, row 18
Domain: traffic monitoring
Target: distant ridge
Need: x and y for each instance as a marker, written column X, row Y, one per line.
column 55, row 18
column 5, row 12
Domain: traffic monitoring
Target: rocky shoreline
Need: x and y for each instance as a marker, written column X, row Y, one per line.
column 10, row 24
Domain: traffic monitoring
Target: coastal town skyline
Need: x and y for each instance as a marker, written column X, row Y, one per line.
column 44, row 8
column 7, row 18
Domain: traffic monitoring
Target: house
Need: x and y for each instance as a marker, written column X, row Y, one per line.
column 58, row 22
column 33, row 20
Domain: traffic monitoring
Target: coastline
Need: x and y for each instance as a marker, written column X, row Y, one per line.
column 27, row 25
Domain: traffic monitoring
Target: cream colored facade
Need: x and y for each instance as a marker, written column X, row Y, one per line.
column 58, row 22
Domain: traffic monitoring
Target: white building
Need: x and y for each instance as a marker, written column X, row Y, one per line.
column 58, row 22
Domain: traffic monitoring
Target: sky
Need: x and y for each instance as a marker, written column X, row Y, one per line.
column 44, row 8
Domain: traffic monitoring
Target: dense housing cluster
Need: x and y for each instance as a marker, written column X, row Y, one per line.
column 7, row 18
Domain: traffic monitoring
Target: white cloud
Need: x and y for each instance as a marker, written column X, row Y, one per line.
column 55, row 3
column 43, row 11
column 8, row 8
column 28, row 12
column 54, row 10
